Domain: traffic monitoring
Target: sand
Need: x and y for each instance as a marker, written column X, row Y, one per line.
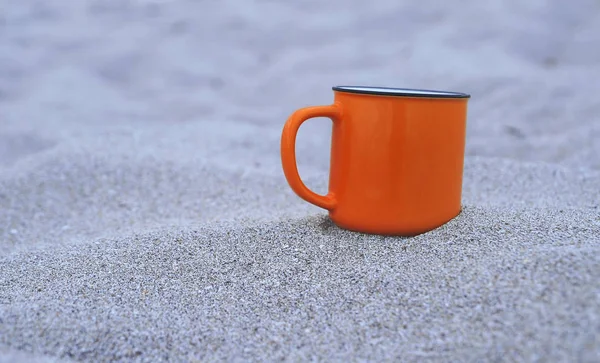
column 144, row 215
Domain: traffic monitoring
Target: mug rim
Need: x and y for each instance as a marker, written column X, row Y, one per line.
column 400, row 92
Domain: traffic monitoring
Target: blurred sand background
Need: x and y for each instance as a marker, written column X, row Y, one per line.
column 144, row 215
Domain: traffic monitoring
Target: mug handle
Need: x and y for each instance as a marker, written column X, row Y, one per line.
column 288, row 152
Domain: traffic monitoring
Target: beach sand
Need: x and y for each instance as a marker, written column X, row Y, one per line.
column 144, row 215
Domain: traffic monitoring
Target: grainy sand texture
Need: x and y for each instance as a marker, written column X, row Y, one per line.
column 144, row 215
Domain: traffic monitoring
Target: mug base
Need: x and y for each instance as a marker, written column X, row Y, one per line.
column 397, row 231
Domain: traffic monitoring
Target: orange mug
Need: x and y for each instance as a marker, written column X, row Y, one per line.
column 397, row 158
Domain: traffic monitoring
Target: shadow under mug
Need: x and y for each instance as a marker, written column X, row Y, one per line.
column 397, row 158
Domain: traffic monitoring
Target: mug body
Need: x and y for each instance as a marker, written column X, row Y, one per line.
column 397, row 160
